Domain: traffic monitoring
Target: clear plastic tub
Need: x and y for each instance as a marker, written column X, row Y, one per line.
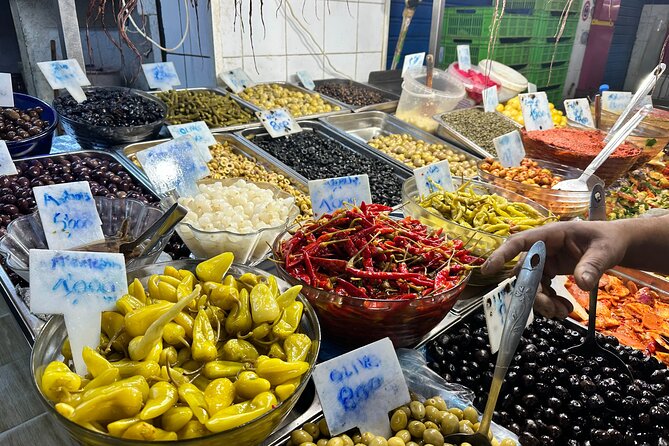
column 419, row 103
column 474, row 81
column 512, row 82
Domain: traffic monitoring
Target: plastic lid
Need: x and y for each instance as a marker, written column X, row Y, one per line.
column 443, row 84
column 505, row 75
column 604, row 87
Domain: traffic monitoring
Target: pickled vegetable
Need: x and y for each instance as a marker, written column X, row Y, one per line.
column 215, row 109
column 298, row 103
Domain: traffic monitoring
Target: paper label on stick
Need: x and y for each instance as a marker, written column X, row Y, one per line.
column 237, row 80
column 536, row 113
column 278, row 122
column 578, row 110
column 334, row 193
column 490, row 99
column 464, row 58
column 174, row 165
column 531, row 88
column 615, row 101
column 306, row 80
column 433, row 176
column 78, row 285
column 495, row 307
column 200, row 132
column 161, row 75
column 6, row 90
column 69, row 216
column 7, row 166
column 65, row 74
column 412, row 61
column 359, row 388
column 510, row 149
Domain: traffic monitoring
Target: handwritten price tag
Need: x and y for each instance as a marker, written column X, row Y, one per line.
column 200, row 132
column 6, row 90
column 161, row 75
column 464, row 58
column 578, row 110
column 237, row 80
column 495, row 308
column 68, row 214
column 536, row 113
column 334, row 193
column 306, row 80
column 65, row 74
column 615, row 101
column 174, row 165
column 531, row 88
column 510, row 149
column 278, row 122
column 359, row 388
column 7, row 166
column 490, row 99
column 432, row 177
column 412, row 61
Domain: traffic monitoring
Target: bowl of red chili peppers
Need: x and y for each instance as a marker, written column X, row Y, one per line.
column 370, row 275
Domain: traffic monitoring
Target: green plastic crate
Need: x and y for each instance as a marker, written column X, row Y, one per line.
column 546, row 24
column 543, row 52
column 506, row 53
column 554, row 94
column 539, row 75
column 556, row 5
column 475, row 22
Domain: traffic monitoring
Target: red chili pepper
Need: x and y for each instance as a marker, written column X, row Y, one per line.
column 351, row 289
column 309, row 268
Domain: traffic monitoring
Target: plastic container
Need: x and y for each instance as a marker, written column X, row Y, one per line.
column 418, row 103
column 474, row 81
column 38, row 144
column 512, row 83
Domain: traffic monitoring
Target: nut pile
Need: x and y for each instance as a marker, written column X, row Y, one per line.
column 350, row 93
column 529, row 172
column 298, row 103
column 479, row 127
column 17, row 125
column 417, row 153
column 216, row 110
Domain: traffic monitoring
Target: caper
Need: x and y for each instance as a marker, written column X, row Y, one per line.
column 449, row 423
column 470, row 414
column 416, row 428
column 417, row 410
column 398, row 421
column 300, row 436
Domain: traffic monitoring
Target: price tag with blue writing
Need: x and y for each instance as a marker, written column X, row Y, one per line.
column 615, row 101
column 536, row 113
column 433, row 177
column 6, row 90
column 237, row 80
column 306, row 80
column 531, row 88
column 65, row 74
column 464, row 58
column 510, row 149
column 495, row 308
column 161, row 75
column 335, row 193
column 490, row 99
column 174, row 165
column 200, row 132
column 359, row 388
column 412, row 61
column 578, row 110
column 7, row 166
column 80, row 286
column 278, row 122
column 68, row 214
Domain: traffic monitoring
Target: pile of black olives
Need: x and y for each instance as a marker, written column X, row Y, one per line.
column 350, row 94
column 110, row 108
column 316, row 157
column 554, row 397
column 17, row 124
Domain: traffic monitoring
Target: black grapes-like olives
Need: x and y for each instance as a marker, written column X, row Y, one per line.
column 349, row 93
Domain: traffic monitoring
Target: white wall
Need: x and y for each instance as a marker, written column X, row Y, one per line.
column 348, row 37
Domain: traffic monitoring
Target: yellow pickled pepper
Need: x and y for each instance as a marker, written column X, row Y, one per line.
column 249, row 384
column 213, row 270
column 146, row 431
column 290, row 320
column 58, row 381
column 239, row 350
column 219, row 394
column 278, row 372
column 136, row 289
column 238, row 414
column 222, row 369
column 138, row 321
column 263, row 305
column 297, row 347
column 194, row 398
column 239, row 320
column 203, row 347
column 95, row 362
column 128, row 303
column 176, row 417
column 162, row 396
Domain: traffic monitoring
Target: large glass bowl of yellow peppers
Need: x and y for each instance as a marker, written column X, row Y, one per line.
column 200, row 353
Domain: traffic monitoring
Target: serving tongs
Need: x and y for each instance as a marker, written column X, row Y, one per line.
column 154, row 234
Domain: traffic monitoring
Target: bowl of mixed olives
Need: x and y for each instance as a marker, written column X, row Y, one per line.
column 28, row 127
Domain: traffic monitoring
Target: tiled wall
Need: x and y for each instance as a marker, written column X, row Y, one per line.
column 327, row 38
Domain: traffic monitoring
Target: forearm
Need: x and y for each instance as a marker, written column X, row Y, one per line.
column 647, row 243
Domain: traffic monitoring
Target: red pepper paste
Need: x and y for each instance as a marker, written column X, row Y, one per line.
column 585, row 142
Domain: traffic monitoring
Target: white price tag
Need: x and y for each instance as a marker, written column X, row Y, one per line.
column 65, row 74
column 174, row 165
column 413, row 61
column 615, row 101
column 69, row 216
column 200, row 132
column 536, row 113
column 334, row 193
column 432, row 177
column 237, row 80
column 647, row 100
column 510, row 149
column 78, row 285
column 359, row 388
column 306, row 80
column 161, row 75
column 278, row 122
column 490, row 99
column 495, row 307
column 578, row 110
column 7, row 166
column 531, row 88
column 464, row 58
column 6, row 90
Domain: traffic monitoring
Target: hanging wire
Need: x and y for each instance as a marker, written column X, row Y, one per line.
column 558, row 35
column 494, row 32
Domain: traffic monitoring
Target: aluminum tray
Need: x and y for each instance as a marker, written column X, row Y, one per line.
column 390, row 99
column 344, row 108
column 449, row 133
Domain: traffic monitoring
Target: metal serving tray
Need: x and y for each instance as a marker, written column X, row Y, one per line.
column 390, row 99
column 447, row 132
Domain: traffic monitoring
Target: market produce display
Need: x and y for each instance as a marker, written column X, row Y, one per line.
column 640, row 191
column 554, row 397
column 195, row 354
column 215, row 109
column 478, row 126
column 420, row 422
column 474, row 79
column 512, row 110
column 316, row 156
column 298, row 103
column 350, row 94
column 528, row 172
column 17, row 124
column 417, row 153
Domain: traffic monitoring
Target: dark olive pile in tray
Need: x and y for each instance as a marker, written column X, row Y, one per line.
column 316, row 157
column 554, row 397
column 17, row 124
column 350, row 94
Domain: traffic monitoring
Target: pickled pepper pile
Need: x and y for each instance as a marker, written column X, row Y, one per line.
column 199, row 354
column 364, row 252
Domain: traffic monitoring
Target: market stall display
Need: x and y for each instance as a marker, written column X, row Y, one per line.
column 301, row 103
column 357, row 95
column 512, row 110
column 28, row 127
column 638, row 192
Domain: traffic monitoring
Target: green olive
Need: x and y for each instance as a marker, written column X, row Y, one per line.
column 440, row 403
column 449, row 424
column 433, row 436
column 347, row 440
column 406, row 410
column 431, row 425
column 432, row 413
column 404, row 434
column 471, row 414
column 367, row 437
column 465, row 427
column 312, row 429
column 308, row 443
column 378, row 441
column 300, row 436
column 416, row 428
column 323, row 427
column 398, row 421
column 322, row 442
column 457, row 412
column 417, row 410
column 335, row 441
column 507, row 442
column 396, row 441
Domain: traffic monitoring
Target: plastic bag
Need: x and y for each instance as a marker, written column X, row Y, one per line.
column 426, row 383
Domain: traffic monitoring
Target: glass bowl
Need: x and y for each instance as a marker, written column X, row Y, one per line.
column 564, row 204
column 480, row 243
column 26, row 233
column 249, row 248
column 356, row 321
column 49, row 341
column 39, row 144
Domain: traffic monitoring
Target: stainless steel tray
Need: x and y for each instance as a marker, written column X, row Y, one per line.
column 447, row 132
column 388, row 105
column 344, row 108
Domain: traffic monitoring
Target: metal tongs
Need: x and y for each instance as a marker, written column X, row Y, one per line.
column 152, row 236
